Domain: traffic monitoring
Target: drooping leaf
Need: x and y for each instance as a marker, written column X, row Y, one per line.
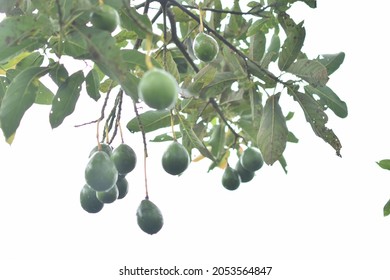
column 151, row 121
column 311, row 71
column 92, row 83
column 257, row 46
column 385, row 164
column 328, row 99
column 190, row 136
column 317, row 118
column 133, row 21
column 169, row 65
column 101, row 48
column 386, row 209
column 292, row 46
column 66, row 98
column 273, row 50
column 217, row 139
column 283, row 163
column 273, row 132
column 22, row 33
column 332, row 62
column 18, row 98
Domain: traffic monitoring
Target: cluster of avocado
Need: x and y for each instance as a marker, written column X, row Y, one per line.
column 249, row 162
column 105, row 176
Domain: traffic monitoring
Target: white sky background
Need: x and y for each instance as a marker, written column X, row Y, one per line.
column 327, row 209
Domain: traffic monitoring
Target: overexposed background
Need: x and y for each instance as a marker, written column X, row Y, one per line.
column 326, row 213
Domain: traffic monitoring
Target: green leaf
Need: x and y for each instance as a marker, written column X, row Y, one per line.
column 166, row 137
column 6, row 5
column 385, row 164
column 133, row 21
column 292, row 46
column 92, row 83
column 328, row 99
column 4, row 83
column 219, row 84
column 170, row 64
column 311, row 3
column 66, row 98
column 22, row 33
column 202, row 79
column 217, row 139
column 311, row 71
column 191, row 136
column 106, row 54
column 283, row 163
column 273, row 132
column 273, row 49
column 292, row 138
column 151, row 121
column 134, row 59
column 18, row 98
column 332, row 62
column 59, row 74
column 386, row 209
column 257, row 46
column 317, row 118
column 268, row 78
column 44, row 95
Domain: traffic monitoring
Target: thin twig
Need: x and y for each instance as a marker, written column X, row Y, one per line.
column 102, row 110
column 178, row 43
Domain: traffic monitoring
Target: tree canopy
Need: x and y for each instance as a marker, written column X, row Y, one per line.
column 225, row 105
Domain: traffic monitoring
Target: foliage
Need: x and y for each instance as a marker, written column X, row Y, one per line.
column 385, row 164
column 224, row 105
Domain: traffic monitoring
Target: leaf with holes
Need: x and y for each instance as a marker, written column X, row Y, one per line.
column 65, row 100
column 332, row 62
column 311, row 71
column 328, row 99
column 315, row 115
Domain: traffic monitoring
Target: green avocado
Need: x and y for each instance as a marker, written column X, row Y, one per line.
column 89, row 201
column 101, row 173
column 175, row 159
column 205, row 47
column 245, row 175
column 251, row 159
column 108, row 196
column 230, row 179
column 124, row 158
column 149, row 217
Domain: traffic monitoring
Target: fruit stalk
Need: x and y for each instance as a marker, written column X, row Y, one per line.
column 145, row 148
